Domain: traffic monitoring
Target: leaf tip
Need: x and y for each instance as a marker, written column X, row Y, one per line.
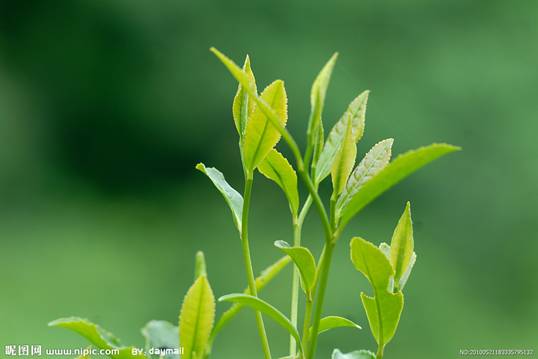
column 200, row 167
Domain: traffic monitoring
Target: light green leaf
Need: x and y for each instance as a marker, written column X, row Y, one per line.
column 391, row 306
column 356, row 114
column 260, row 135
column 375, row 266
column 393, row 173
column 95, row 335
column 358, row 354
column 199, row 265
column 231, row 196
column 161, row 334
column 196, row 319
column 332, row 322
column 266, row 308
column 401, row 246
column 277, row 168
column 374, row 161
column 344, row 161
column 407, row 273
column 371, row 262
column 242, row 108
column 305, row 262
column 317, row 102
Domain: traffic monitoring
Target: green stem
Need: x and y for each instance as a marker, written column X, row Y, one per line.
column 325, row 264
column 306, row 321
column 379, row 354
column 248, row 263
column 295, row 287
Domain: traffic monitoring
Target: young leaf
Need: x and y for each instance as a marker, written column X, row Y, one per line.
column 374, row 161
column 196, row 319
column 317, row 102
column 161, row 334
column 393, row 173
column 358, row 354
column 305, row 262
column 332, row 322
column 231, row 196
column 242, row 108
column 199, row 265
column 356, row 114
column 260, row 135
column 266, row 308
column 344, row 161
column 384, row 308
column 401, row 246
column 371, row 262
column 95, row 335
column 277, row 168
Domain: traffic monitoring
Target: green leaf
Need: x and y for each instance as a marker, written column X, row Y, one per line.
column 266, row 276
column 317, row 102
column 371, row 262
column 242, row 108
column 393, row 173
column 196, row 319
column 260, row 135
column 332, row 322
column 266, row 308
column 401, row 247
column 375, row 266
column 231, row 196
column 358, row 354
column 95, row 335
column 305, row 262
column 356, row 114
column 344, row 161
column 391, row 306
column 374, row 161
column 161, row 334
column 277, row 168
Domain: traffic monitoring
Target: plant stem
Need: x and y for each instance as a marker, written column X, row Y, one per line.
column 248, row 263
column 379, row 354
column 306, row 321
column 325, row 264
column 295, row 287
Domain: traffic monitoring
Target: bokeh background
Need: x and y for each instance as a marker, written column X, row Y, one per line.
column 105, row 108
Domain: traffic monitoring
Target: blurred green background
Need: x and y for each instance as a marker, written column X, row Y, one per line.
column 105, row 108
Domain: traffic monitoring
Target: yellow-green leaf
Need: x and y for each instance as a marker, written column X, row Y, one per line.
column 355, row 113
column 374, row 161
column 196, row 319
column 344, row 161
column 260, row 135
column 277, row 168
column 242, row 108
column 317, row 102
column 393, row 173
column 402, row 245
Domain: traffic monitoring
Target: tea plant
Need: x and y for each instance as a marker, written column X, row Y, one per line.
column 260, row 120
